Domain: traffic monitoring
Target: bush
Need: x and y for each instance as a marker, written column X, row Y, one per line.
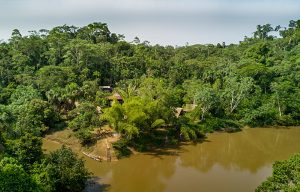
column 121, row 147
column 62, row 171
column 14, row 178
column 263, row 115
column 85, row 115
column 84, row 135
column 285, row 120
column 213, row 124
column 190, row 132
column 285, row 176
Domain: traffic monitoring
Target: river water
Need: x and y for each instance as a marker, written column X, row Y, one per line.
column 226, row 162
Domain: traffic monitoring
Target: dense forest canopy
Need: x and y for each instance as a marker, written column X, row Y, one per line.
column 52, row 79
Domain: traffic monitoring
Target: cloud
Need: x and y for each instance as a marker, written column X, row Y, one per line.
column 159, row 21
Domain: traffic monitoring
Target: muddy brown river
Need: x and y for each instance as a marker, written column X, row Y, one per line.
column 226, row 162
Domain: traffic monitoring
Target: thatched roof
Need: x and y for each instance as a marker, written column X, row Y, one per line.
column 115, row 96
column 178, row 111
column 187, row 108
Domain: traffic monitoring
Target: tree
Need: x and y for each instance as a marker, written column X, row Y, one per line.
column 262, row 31
column 282, row 92
column 27, row 150
column 115, row 115
column 57, row 38
column 235, row 90
column 14, row 178
column 191, row 88
column 50, row 77
column 261, row 74
column 97, row 32
column 205, row 99
column 62, row 171
column 35, row 117
column 23, row 94
column 285, row 176
column 137, row 117
column 83, row 119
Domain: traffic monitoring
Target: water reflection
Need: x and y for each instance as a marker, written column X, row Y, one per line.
column 248, row 150
column 224, row 162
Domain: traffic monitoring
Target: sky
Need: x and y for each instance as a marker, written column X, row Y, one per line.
column 165, row 22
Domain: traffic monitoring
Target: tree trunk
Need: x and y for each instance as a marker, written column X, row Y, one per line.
column 202, row 116
column 279, row 108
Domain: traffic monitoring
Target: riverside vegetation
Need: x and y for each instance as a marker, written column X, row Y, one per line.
column 50, row 80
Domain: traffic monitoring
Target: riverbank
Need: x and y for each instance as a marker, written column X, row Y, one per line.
column 100, row 150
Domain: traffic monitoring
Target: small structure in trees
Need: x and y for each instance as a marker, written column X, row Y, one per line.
column 115, row 97
column 189, row 107
column 106, row 88
column 179, row 111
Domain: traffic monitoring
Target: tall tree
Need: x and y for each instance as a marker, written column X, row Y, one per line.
column 235, row 90
column 205, row 99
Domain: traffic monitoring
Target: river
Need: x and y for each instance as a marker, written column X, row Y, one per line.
column 227, row 162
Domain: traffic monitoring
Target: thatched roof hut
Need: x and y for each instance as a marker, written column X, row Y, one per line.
column 187, row 108
column 115, row 96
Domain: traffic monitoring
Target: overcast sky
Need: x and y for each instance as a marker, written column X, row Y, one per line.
column 167, row 22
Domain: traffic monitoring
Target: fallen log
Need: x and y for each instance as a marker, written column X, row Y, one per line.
column 94, row 157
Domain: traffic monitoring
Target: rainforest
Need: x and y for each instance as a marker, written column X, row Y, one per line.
column 89, row 86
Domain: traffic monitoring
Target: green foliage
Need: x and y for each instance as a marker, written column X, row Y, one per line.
column 83, row 119
column 84, row 135
column 187, row 133
column 14, row 178
column 61, row 171
column 23, row 94
column 135, row 118
column 121, row 147
column 33, row 117
column 27, row 113
column 51, row 79
column 212, row 124
column 67, row 64
column 285, row 176
column 205, row 98
column 235, row 90
column 27, row 150
column 113, row 115
column 262, row 116
column 84, row 116
column 54, row 76
column 158, row 123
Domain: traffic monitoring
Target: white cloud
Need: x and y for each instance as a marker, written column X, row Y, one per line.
column 195, row 21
